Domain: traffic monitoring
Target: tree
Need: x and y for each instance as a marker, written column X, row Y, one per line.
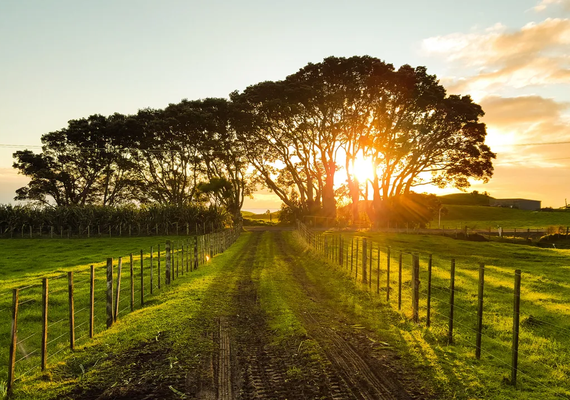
column 165, row 146
column 225, row 160
column 266, row 125
column 187, row 150
column 421, row 136
column 299, row 128
column 81, row 164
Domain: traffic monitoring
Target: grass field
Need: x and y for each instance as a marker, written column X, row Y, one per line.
column 28, row 260
column 544, row 361
column 481, row 217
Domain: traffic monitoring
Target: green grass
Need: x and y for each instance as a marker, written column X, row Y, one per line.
column 174, row 317
column 480, row 217
column 169, row 326
column 544, row 361
column 57, row 258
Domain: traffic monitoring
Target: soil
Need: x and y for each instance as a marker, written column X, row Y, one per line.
column 345, row 361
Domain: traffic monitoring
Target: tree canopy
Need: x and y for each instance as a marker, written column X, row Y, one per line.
column 296, row 136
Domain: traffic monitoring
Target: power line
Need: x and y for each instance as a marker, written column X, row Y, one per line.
column 532, row 144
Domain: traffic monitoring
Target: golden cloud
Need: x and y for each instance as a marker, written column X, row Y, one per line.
column 516, row 126
column 544, row 4
column 536, row 54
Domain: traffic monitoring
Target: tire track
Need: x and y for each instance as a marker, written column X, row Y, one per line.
column 252, row 369
column 364, row 376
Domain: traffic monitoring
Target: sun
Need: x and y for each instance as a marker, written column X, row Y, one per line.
column 363, row 169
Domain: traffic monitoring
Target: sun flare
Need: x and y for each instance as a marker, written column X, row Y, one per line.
column 363, row 169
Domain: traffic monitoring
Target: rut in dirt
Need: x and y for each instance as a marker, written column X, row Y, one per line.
column 254, row 368
column 351, row 354
column 250, row 367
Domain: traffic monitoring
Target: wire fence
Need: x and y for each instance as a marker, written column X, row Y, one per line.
column 50, row 318
column 476, row 309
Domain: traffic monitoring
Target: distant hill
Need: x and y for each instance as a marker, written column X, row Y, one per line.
column 465, row 199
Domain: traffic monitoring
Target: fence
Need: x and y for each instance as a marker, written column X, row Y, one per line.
column 476, row 322
column 107, row 230
column 61, row 311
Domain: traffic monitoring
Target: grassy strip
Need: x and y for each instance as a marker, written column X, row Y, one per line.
column 30, row 311
column 156, row 343
column 544, row 314
column 24, row 261
column 480, row 217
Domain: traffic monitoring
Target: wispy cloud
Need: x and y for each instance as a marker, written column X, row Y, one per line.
column 536, row 54
column 544, row 4
column 517, row 126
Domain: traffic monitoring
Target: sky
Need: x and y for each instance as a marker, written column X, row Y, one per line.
column 63, row 60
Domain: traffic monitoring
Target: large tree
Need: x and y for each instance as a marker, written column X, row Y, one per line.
column 226, row 165
column 84, row 163
column 299, row 131
column 421, row 136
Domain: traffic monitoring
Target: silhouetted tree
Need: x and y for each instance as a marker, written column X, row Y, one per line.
column 84, row 163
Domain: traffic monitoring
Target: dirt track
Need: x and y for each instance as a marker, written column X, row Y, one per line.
column 260, row 370
column 245, row 363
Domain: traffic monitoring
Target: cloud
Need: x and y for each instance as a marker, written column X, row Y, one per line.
column 544, row 4
column 536, row 54
column 523, row 110
column 516, row 125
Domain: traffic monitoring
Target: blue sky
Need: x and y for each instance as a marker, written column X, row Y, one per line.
column 63, row 60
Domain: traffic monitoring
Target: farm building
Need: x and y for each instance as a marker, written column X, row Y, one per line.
column 521, row 204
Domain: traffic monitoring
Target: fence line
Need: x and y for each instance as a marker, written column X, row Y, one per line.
column 407, row 275
column 46, row 325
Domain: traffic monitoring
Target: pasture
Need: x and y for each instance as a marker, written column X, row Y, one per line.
column 447, row 370
column 481, row 217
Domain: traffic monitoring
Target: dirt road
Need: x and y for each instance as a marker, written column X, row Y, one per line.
column 276, row 335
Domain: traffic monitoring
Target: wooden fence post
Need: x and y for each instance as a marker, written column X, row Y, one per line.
column 364, row 261
column 195, row 253
column 151, row 269
column 178, row 254
column 351, row 254
column 167, row 278
column 400, row 267
column 158, row 271
column 370, row 248
column 132, row 275
column 91, row 301
column 14, row 339
column 416, row 288
column 356, row 263
column 45, row 301
column 480, row 311
column 378, row 271
column 71, row 311
column 516, row 327
column 428, row 320
column 388, row 275
column 118, row 290
column 109, row 292
column 142, row 279
column 451, row 301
